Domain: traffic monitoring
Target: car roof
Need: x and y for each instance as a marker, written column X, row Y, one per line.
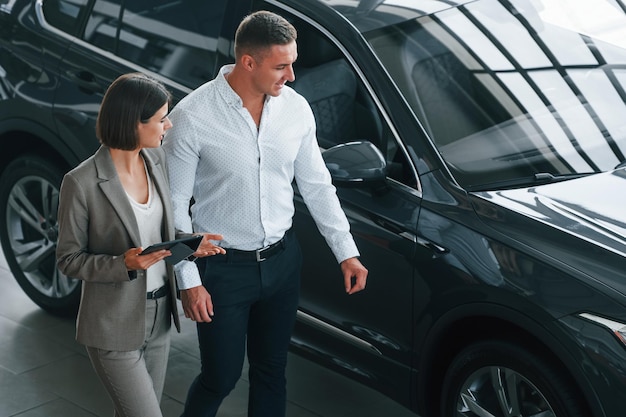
column 368, row 15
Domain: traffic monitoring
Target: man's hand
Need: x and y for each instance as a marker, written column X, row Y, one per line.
column 354, row 275
column 207, row 248
column 197, row 304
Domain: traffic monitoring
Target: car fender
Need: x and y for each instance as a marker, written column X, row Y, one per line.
column 480, row 320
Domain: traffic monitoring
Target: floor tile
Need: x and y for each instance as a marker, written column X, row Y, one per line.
column 18, row 395
column 55, row 408
column 182, row 368
column 63, row 332
column 74, row 380
column 170, row 407
column 15, row 304
column 187, row 339
column 327, row 393
column 27, row 350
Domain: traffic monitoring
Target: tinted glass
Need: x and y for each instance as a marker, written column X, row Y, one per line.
column 64, row 14
column 509, row 89
column 177, row 39
column 344, row 109
column 101, row 29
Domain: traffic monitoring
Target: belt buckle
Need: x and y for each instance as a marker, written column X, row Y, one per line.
column 153, row 293
column 258, row 253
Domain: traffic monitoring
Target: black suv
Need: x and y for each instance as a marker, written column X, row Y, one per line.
column 477, row 148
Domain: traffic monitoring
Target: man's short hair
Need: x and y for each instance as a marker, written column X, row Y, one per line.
column 132, row 98
column 261, row 30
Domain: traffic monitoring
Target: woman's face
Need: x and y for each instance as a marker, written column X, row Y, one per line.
column 151, row 132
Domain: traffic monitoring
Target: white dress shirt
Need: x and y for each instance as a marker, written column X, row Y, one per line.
column 240, row 177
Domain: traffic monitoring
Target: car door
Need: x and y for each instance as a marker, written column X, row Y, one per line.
column 368, row 334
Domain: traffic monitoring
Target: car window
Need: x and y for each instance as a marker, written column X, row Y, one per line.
column 510, row 92
column 101, row 28
column 65, row 14
column 344, row 109
column 177, row 39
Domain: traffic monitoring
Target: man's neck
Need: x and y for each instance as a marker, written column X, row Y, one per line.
column 251, row 99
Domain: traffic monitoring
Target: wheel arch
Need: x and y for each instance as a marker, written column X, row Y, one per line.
column 20, row 136
column 479, row 321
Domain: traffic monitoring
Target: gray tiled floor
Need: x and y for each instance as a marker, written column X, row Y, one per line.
column 45, row 373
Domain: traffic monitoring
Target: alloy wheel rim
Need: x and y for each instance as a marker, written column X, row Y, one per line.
column 32, row 228
column 501, row 392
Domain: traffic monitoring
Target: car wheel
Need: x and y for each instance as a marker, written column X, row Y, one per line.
column 29, row 198
column 498, row 378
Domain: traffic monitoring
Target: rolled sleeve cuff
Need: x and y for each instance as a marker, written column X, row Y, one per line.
column 187, row 275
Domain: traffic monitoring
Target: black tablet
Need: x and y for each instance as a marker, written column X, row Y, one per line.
column 180, row 248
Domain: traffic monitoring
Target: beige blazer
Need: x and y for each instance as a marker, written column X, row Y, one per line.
column 96, row 226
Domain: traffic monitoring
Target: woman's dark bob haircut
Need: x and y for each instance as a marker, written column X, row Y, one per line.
column 132, row 98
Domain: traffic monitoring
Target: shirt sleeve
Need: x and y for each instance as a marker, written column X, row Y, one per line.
column 182, row 154
column 320, row 196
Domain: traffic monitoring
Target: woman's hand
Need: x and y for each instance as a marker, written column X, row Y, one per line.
column 134, row 261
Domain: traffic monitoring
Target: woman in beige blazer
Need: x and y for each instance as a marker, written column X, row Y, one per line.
column 110, row 207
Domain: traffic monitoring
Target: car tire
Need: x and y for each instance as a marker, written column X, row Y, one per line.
column 29, row 197
column 488, row 377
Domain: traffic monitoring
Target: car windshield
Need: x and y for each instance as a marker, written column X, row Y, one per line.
column 508, row 89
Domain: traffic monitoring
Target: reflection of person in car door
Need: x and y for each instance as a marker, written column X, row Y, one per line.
column 238, row 143
column 110, row 206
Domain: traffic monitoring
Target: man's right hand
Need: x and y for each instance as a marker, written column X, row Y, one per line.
column 197, row 304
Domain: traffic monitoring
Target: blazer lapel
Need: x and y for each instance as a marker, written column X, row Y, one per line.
column 157, row 172
column 114, row 191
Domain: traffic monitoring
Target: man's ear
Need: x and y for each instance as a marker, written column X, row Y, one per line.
column 248, row 62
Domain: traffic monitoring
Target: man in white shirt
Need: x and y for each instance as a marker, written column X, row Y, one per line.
column 237, row 144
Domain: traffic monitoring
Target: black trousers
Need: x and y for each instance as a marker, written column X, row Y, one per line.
column 255, row 306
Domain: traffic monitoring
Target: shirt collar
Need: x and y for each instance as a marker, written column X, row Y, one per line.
column 227, row 92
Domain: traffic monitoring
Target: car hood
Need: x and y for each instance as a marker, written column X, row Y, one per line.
column 592, row 208
column 580, row 222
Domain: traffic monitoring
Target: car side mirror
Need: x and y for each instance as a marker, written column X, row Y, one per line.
column 356, row 164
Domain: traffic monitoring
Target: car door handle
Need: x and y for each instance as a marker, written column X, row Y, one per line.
column 398, row 230
column 433, row 248
column 437, row 249
column 85, row 80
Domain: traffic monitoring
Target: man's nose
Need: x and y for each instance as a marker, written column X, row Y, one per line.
column 291, row 75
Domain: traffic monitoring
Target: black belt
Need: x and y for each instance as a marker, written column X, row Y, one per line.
column 258, row 255
column 159, row 292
